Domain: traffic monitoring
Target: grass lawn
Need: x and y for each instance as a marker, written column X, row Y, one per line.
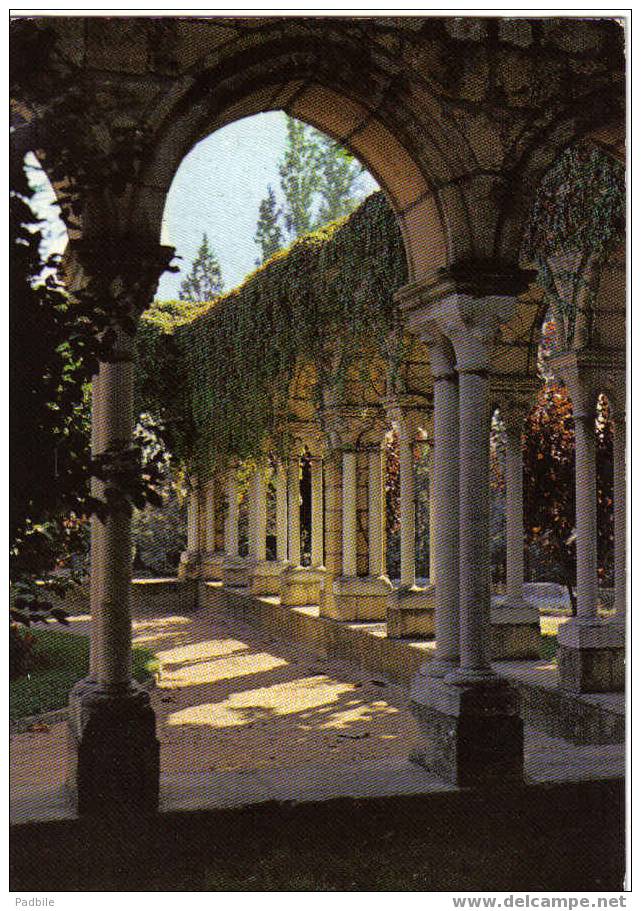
column 549, row 646
column 61, row 660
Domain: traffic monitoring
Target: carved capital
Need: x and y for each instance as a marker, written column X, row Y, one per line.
column 589, row 372
column 351, row 427
column 119, row 272
column 514, row 396
column 412, row 416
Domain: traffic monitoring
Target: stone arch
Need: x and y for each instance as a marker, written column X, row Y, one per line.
column 335, row 87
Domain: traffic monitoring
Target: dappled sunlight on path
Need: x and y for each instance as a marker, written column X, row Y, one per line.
column 230, row 697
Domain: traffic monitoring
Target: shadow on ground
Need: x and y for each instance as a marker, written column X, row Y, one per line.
column 542, row 838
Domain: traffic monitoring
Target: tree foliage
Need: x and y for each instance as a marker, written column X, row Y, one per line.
column 205, row 280
column 339, row 175
column 319, row 184
column 299, row 177
column 49, row 414
column 269, row 235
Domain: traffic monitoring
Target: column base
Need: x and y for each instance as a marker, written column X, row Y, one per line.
column 410, row 612
column 235, row 572
column 591, row 656
column 189, row 566
column 359, row 598
column 264, row 577
column 472, row 734
column 211, row 566
column 115, row 755
column 516, row 632
column 301, row 586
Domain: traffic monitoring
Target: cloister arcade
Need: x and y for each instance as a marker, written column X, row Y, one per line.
column 458, row 120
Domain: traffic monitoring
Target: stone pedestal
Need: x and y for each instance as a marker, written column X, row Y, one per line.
column 591, row 656
column 235, row 571
column 114, row 752
column 472, row 735
column 211, row 567
column 189, row 566
column 359, row 598
column 515, row 632
column 410, row 612
column 264, row 577
column 301, row 586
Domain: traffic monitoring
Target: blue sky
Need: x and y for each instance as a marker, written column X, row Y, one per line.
column 217, row 189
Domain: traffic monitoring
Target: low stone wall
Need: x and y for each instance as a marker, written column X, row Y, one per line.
column 544, row 706
column 366, row 644
column 163, row 596
column 147, row 595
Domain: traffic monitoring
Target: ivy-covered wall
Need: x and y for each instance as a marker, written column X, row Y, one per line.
column 218, row 375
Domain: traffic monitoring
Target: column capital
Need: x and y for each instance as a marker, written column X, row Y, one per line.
column 514, row 396
column 467, row 302
column 305, row 435
column 589, row 372
column 352, row 427
column 412, row 415
column 117, row 270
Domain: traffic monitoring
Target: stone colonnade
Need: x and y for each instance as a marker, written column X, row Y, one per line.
column 592, row 649
column 469, row 713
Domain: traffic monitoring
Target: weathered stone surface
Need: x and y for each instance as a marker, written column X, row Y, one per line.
column 591, row 670
column 472, row 735
column 516, row 633
column 359, row 598
column 114, row 752
column 236, row 572
column 300, row 586
column 264, row 577
column 410, row 613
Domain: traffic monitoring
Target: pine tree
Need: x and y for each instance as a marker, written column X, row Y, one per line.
column 205, row 281
column 268, row 236
column 339, row 175
column 299, row 177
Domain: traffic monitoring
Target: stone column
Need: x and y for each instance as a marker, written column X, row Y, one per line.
column 212, row 560
column 376, row 513
column 619, row 447
column 210, row 517
column 281, row 514
column 432, row 515
column 115, row 754
column 189, row 567
column 515, row 623
column 316, row 466
column 231, row 515
column 349, row 514
column 257, row 517
column 302, row 585
column 410, row 609
column 470, row 717
column 474, row 525
column 293, row 520
column 586, row 517
column 264, row 575
column 114, row 761
column 235, row 568
column 193, row 520
column 591, row 656
column 407, row 510
column 514, row 511
column 444, row 501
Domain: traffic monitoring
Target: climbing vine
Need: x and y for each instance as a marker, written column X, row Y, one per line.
column 578, row 217
column 219, row 375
